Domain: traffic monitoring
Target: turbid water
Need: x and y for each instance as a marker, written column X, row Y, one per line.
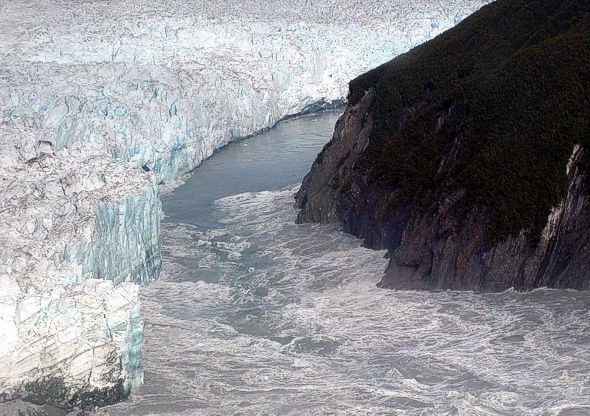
column 255, row 315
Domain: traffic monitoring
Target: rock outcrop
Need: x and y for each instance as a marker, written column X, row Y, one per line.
column 467, row 158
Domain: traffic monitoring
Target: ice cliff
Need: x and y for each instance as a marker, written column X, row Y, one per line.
column 100, row 103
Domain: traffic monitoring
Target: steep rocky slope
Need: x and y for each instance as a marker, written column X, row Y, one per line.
column 467, row 157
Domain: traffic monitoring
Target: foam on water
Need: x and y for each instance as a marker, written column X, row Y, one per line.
column 257, row 315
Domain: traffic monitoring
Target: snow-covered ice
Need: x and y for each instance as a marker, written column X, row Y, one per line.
column 101, row 102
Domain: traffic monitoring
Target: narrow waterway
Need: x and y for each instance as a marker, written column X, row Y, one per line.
column 255, row 315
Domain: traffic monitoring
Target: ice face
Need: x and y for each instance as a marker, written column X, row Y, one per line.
column 166, row 86
column 103, row 101
column 87, row 335
column 75, row 239
column 131, row 226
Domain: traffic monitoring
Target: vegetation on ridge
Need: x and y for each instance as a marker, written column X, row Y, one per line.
column 493, row 107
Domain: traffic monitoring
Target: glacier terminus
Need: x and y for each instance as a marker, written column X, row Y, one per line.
column 104, row 105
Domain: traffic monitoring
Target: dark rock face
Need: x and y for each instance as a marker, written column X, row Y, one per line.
column 52, row 397
column 456, row 165
column 333, row 192
column 435, row 254
column 19, row 408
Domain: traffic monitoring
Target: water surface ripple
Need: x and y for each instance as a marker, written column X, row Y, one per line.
column 256, row 315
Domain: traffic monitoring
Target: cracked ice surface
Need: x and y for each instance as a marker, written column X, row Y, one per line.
column 66, row 226
column 101, row 101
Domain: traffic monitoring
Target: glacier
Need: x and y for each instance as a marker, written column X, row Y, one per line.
column 104, row 105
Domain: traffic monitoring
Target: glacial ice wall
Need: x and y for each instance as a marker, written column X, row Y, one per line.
column 164, row 86
column 73, row 239
column 102, row 101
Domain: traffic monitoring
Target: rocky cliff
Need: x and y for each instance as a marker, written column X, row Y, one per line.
column 467, row 157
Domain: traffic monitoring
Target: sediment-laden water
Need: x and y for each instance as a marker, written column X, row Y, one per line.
column 256, row 315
